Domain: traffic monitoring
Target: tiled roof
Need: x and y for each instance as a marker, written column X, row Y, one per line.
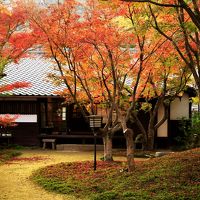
column 34, row 71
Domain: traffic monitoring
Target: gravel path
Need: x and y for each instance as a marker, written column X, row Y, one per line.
column 14, row 176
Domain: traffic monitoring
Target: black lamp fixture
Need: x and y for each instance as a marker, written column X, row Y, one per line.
column 95, row 122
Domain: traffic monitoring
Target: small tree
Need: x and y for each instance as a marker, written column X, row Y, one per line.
column 91, row 60
column 93, row 55
column 15, row 40
column 179, row 22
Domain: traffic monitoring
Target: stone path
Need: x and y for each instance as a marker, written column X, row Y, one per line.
column 15, row 183
column 14, row 177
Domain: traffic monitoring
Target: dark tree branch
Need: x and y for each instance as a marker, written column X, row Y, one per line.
column 194, row 15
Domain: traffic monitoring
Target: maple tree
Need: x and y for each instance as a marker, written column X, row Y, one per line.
column 191, row 7
column 55, row 30
column 12, row 86
column 161, row 76
column 93, row 54
column 15, row 36
column 179, row 22
column 158, row 76
column 8, row 120
column 14, row 44
column 111, row 61
column 93, row 62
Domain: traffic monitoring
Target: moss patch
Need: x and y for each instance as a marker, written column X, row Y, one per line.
column 175, row 176
column 6, row 155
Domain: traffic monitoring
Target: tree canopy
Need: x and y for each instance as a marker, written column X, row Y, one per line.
column 15, row 40
column 113, row 53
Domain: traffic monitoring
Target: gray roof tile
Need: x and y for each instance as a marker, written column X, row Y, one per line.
column 35, row 71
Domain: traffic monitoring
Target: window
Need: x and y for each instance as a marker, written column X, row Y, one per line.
column 63, row 113
column 13, row 107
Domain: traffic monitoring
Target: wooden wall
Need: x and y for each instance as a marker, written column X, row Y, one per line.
column 26, row 134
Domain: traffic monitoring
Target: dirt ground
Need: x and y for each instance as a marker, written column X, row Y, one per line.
column 14, row 176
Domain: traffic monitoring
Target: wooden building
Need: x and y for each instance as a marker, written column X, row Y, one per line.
column 180, row 110
column 43, row 114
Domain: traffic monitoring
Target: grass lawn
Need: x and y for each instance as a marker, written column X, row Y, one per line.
column 6, row 155
column 175, row 176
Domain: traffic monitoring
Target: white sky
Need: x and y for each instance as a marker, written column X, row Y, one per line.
column 43, row 2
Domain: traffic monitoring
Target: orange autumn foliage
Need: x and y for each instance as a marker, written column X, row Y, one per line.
column 15, row 36
column 16, row 85
column 8, row 120
column 94, row 54
column 15, row 40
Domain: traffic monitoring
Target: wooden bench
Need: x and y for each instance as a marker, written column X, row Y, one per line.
column 52, row 141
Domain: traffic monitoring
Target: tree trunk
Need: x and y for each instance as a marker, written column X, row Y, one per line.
column 151, row 134
column 107, row 141
column 130, row 149
column 142, row 131
column 145, row 144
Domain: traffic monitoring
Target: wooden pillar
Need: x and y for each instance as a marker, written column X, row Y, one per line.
column 49, row 111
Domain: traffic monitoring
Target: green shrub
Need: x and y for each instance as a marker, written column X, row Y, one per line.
column 16, row 147
column 54, row 185
column 6, row 155
column 105, row 196
column 140, row 195
column 11, row 147
column 189, row 133
column 165, row 178
column 169, row 196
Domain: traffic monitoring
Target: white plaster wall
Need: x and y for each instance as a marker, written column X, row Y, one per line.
column 162, row 131
column 24, row 118
column 179, row 108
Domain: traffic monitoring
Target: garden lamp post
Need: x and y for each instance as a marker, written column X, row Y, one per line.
column 95, row 122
